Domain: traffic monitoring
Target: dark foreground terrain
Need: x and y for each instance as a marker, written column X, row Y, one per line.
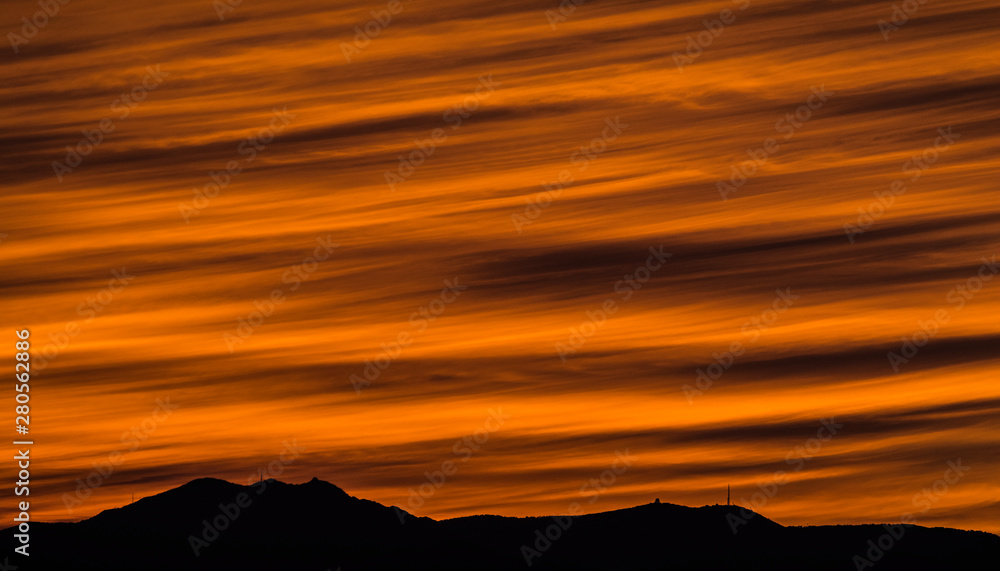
column 317, row 527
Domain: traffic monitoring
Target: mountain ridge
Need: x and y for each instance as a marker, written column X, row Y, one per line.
column 209, row 523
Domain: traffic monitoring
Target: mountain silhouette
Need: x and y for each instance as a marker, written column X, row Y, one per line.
column 210, row 524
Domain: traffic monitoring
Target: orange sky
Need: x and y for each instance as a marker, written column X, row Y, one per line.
column 511, row 94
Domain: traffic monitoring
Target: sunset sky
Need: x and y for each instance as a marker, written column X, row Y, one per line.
column 509, row 235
